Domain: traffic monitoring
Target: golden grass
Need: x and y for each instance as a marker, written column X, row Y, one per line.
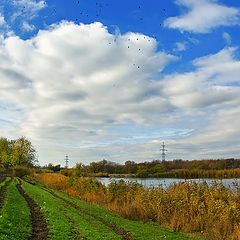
column 53, row 180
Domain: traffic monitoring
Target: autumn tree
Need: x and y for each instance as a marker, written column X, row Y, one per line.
column 19, row 152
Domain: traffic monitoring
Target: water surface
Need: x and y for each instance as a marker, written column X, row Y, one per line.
column 166, row 182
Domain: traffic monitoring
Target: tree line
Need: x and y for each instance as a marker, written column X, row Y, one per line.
column 18, row 152
column 220, row 168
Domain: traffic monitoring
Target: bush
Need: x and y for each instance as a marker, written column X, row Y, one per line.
column 21, row 171
column 88, row 189
column 66, row 172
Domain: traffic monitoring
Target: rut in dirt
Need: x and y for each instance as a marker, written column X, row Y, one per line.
column 3, row 190
column 39, row 223
column 2, row 178
column 121, row 232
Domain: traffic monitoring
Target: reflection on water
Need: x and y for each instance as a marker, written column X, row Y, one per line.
column 165, row 182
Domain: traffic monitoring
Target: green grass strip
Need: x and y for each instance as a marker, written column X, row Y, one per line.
column 90, row 228
column 66, row 222
column 15, row 222
column 4, row 181
column 53, row 210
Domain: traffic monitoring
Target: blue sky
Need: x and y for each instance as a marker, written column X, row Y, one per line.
column 113, row 79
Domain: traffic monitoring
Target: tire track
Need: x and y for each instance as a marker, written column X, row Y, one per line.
column 39, row 223
column 2, row 178
column 121, row 232
column 3, row 191
column 76, row 235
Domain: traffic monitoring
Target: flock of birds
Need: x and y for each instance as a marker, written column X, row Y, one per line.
column 98, row 13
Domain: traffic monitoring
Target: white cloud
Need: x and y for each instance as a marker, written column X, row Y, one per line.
column 2, row 20
column 27, row 9
column 210, row 98
column 73, row 79
column 227, row 38
column 211, row 84
column 203, row 16
column 26, row 27
column 18, row 14
column 81, row 88
column 180, row 46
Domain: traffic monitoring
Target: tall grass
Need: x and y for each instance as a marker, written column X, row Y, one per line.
column 213, row 211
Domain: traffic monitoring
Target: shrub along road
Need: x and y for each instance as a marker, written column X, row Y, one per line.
column 33, row 212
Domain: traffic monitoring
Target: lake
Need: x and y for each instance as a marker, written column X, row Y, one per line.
column 165, row 182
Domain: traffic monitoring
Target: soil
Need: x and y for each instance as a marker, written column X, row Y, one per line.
column 39, row 223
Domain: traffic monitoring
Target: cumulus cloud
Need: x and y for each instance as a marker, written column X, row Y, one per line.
column 203, row 16
column 210, row 98
column 211, row 84
column 75, row 78
column 81, row 87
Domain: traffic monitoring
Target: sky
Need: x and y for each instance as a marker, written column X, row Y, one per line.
column 114, row 79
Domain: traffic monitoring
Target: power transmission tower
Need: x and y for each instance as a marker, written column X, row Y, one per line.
column 66, row 161
column 163, row 150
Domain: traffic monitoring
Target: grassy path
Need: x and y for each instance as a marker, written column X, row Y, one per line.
column 15, row 221
column 67, row 223
column 39, row 224
column 5, row 181
column 124, row 234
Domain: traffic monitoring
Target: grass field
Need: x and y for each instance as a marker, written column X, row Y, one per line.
column 15, row 223
column 66, row 218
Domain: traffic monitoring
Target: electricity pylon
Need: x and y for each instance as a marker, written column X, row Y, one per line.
column 66, row 161
column 163, row 150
